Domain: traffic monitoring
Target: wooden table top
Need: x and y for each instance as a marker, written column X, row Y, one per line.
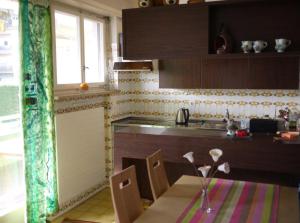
column 172, row 203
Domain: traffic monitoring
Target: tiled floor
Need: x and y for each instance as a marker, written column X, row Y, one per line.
column 99, row 208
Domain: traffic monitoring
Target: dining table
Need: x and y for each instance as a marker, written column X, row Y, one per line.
column 180, row 203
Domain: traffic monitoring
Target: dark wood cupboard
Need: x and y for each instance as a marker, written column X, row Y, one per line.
column 164, row 32
column 182, row 38
column 180, row 73
column 263, row 71
column 257, row 159
column 274, row 73
column 225, row 73
column 182, row 31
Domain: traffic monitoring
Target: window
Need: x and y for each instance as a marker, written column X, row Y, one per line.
column 12, row 182
column 79, row 47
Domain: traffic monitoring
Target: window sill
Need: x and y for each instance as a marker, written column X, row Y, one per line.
column 76, row 94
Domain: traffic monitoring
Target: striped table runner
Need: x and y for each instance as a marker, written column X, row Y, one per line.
column 235, row 202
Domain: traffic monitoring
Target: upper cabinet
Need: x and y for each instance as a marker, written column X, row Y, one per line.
column 165, row 32
column 265, row 71
column 183, row 38
column 274, row 72
column 180, row 73
column 225, row 73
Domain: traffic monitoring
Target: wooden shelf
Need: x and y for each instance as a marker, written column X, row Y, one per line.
column 257, row 20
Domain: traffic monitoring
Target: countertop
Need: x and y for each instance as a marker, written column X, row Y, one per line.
column 196, row 128
column 217, row 125
column 148, row 126
column 188, row 132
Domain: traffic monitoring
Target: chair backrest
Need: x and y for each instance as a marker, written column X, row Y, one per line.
column 125, row 195
column 157, row 174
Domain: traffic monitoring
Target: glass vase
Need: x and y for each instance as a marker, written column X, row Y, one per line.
column 205, row 204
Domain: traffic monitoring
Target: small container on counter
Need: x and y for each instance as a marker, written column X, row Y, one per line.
column 289, row 135
column 242, row 133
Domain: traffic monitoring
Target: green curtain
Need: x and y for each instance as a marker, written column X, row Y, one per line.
column 37, row 110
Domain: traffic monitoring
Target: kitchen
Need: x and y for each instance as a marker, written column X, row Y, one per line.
column 218, row 77
column 160, row 68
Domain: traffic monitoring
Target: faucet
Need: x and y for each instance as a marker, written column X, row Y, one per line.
column 227, row 115
column 231, row 126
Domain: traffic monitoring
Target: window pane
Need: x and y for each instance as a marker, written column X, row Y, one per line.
column 68, row 64
column 12, row 192
column 93, row 43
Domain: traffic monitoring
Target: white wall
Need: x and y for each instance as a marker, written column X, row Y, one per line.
column 119, row 4
column 102, row 7
column 80, row 152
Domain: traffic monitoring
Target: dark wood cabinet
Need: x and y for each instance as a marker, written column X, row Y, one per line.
column 165, row 32
column 236, row 71
column 257, row 159
column 180, row 73
column 182, row 38
column 183, row 31
column 274, row 73
column 226, row 73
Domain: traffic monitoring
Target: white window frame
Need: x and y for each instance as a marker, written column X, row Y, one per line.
column 81, row 15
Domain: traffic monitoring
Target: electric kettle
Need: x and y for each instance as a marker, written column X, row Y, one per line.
column 182, row 116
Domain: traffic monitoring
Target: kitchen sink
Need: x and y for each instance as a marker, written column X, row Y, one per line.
column 218, row 125
column 208, row 124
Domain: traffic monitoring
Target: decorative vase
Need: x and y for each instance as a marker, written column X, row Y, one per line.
column 223, row 42
column 205, row 204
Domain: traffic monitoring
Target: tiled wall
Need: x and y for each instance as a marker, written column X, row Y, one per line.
column 147, row 99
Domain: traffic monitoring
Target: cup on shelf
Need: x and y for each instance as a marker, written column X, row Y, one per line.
column 282, row 44
column 247, row 46
column 259, row 45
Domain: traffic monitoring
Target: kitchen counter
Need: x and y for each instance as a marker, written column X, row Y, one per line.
column 217, row 125
column 186, row 132
column 196, row 128
column 257, row 158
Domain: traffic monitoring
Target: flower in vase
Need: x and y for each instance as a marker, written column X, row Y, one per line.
column 215, row 154
column 224, row 168
column 204, row 170
column 189, row 156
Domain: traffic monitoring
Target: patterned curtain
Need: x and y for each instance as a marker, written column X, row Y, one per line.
column 37, row 110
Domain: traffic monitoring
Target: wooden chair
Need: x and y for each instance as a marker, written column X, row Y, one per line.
column 125, row 195
column 157, row 174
